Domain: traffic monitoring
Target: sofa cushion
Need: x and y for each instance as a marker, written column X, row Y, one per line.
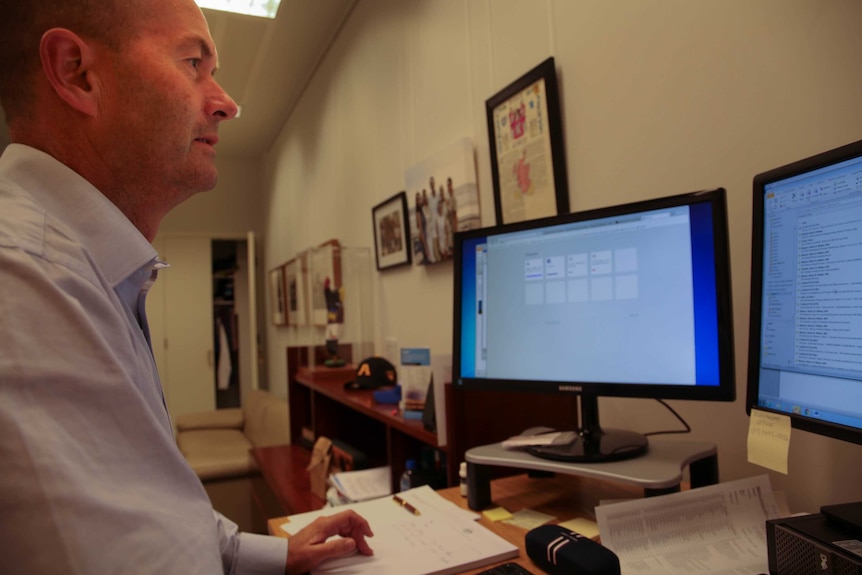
column 232, row 418
column 217, row 453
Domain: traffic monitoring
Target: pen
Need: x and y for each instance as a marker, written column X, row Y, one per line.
column 405, row 505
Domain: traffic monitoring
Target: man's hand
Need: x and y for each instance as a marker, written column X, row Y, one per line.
column 309, row 546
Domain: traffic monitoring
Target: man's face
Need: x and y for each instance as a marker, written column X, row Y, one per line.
column 162, row 107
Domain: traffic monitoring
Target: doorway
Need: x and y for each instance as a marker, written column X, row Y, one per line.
column 203, row 310
column 227, row 308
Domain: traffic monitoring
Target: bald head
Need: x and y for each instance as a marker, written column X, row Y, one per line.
column 23, row 22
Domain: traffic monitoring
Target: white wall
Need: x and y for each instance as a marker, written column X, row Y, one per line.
column 658, row 97
column 231, row 209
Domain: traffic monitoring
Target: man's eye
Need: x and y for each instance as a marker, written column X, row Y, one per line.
column 195, row 62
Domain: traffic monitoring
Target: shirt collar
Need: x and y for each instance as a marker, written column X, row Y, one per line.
column 116, row 245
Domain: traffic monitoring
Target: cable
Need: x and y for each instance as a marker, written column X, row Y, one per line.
column 678, row 416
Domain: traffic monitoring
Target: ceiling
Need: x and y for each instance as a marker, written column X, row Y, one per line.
column 265, row 65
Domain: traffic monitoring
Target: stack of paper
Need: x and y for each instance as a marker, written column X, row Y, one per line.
column 363, row 484
column 715, row 529
column 441, row 539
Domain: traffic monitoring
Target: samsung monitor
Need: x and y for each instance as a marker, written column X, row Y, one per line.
column 628, row 301
column 805, row 347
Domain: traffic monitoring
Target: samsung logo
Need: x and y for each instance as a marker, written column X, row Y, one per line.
column 570, row 388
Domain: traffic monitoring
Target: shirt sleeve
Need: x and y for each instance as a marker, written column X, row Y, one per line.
column 249, row 553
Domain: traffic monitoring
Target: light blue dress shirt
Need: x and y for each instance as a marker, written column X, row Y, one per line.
column 91, row 480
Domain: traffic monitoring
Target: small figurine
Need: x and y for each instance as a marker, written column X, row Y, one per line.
column 334, row 321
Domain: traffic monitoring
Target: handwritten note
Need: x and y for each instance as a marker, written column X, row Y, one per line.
column 769, row 440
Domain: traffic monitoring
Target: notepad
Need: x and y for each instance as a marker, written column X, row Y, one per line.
column 442, row 539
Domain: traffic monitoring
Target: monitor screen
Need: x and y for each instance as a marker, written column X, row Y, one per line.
column 629, row 301
column 805, row 351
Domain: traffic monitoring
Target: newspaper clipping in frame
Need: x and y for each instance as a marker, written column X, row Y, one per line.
column 523, row 145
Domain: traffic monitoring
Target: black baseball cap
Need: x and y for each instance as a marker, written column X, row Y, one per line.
column 373, row 372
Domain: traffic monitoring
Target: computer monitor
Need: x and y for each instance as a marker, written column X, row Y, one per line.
column 805, row 348
column 627, row 301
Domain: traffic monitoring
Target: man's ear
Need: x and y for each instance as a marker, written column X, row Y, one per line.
column 67, row 61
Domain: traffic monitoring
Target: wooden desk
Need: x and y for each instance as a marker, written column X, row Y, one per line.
column 563, row 496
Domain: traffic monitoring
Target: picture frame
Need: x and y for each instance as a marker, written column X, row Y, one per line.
column 295, row 271
column 324, row 262
column 443, row 198
column 528, row 163
column 391, row 232
column 278, row 311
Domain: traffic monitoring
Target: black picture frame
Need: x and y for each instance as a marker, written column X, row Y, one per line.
column 528, row 108
column 392, row 232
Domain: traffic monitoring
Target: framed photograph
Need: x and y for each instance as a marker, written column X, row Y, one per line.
column 295, row 271
column 277, row 300
column 445, row 199
column 528, row 163
column 391, row 232
column 324, row 276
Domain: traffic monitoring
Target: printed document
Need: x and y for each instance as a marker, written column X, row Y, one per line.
column 715, row 529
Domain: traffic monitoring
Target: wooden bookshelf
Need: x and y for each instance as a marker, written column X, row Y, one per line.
column 319, row 402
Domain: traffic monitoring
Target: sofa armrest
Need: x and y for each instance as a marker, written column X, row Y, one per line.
column 232, row 418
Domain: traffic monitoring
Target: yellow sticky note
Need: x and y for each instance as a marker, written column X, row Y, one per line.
column 583, row 526
column 497, row 514
column 528, row 518
column 769, row 440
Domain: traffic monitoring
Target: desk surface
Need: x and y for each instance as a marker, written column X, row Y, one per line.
column 563, row 496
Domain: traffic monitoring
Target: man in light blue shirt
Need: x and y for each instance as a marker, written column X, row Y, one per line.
column 113, row 114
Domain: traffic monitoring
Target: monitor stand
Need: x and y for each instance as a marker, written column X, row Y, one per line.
column 594, row 444
column 658, row 471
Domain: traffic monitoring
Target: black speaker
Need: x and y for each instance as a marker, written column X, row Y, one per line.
column 560, row 551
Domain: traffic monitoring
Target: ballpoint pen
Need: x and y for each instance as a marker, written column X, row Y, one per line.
column 405, row 505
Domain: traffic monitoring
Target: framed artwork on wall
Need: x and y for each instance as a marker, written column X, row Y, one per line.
column 445, row 199
column 324, row 275
column 278, row 303
column 528, row 163
column 294, row 281
column 391, row 232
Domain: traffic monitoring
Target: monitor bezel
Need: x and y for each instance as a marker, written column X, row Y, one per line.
column 797, row 420
column 724, row 391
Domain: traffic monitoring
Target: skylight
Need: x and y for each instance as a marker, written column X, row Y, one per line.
column 263, row 8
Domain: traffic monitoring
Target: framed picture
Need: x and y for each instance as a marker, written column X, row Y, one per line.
column 445, row 199
column 324, row 276
column 391, row 232
column 295, row 271
column 528, row 163
column 278, row 302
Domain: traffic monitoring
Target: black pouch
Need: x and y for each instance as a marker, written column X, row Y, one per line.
column 560, row 551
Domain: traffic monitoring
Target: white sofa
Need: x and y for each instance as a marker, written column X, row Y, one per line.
column 217, row 444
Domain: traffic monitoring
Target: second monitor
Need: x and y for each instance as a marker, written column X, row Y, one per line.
column 628, row 301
